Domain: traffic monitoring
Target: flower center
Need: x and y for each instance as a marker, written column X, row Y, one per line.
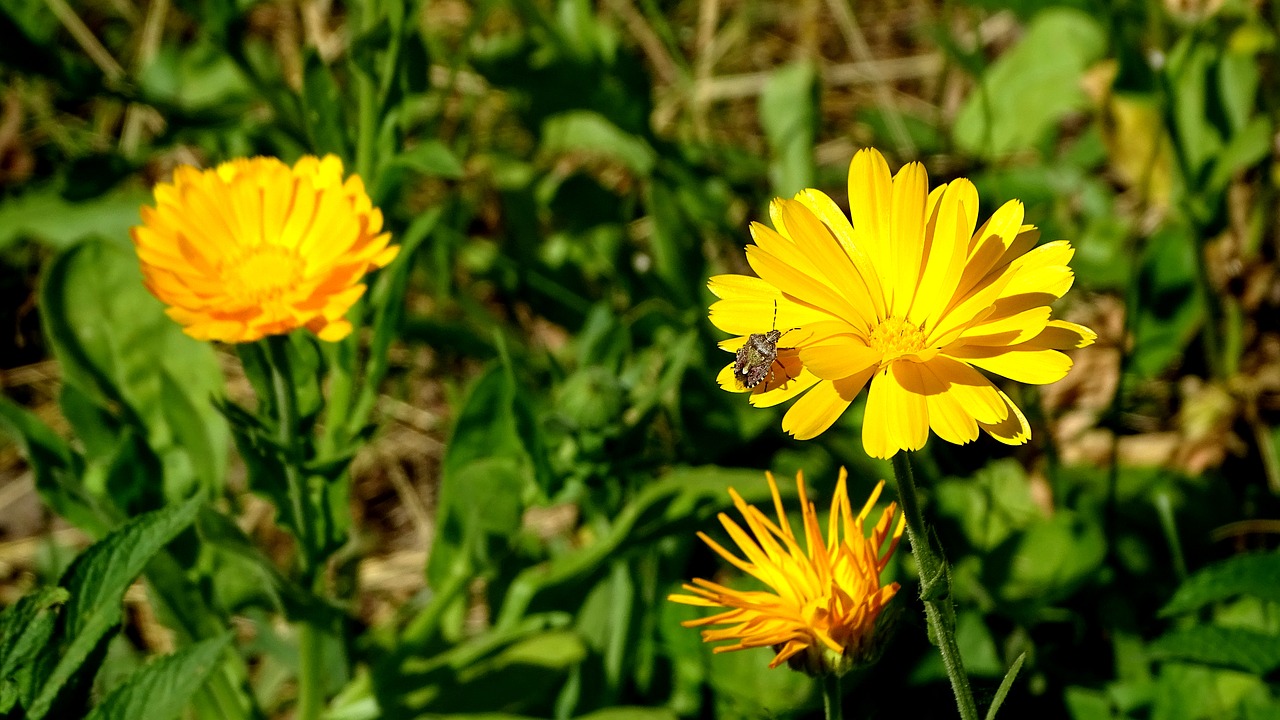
column 896, row 337
column 263, row 275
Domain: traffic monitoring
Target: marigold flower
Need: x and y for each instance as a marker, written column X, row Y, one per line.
column 907, row 297
column 256, row 248
column 821, row 610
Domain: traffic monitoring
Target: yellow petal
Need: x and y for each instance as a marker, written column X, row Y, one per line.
column 906, row 236
column 801, row 286
column 1013, row 430
column 870, row 203
column 776, row 393
column 822, row 406
column 946, row 240
column 1009, row 330
column 834, row 218
column 1035, row 367
column 971, row 388
column 819, row 246
column 1063, row 335
column 896, row 419
column 839, row 357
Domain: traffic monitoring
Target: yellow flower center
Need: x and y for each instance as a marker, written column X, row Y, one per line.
column 263, row 275
column 896, row 337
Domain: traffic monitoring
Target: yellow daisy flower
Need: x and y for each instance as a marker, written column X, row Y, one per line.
column 256, row 248
column 908, row 298
column 820, row 611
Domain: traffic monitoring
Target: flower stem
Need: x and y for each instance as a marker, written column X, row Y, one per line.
column 935, row 587
column 310, row 672
column 831, row 696
column 310, row 662
column 287, row 434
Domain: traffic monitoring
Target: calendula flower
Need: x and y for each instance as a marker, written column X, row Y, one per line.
column 823, row 601
column 908, row 298
column 256, row 248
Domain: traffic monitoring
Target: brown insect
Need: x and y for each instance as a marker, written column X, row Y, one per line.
column 758, row 355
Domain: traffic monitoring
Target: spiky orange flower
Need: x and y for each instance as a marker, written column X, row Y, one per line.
column 256, row 248
column 907, row 298
column 824, row 599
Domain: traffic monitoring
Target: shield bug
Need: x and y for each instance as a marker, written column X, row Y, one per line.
column 758, row 355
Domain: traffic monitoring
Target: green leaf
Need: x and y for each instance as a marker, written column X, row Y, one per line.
column 162, row 689
column 322, row 107
column 25, row 629
column 1188, row 70
column 789, row 116
column 1169, row 307
column 494, row 467
column 96, row 583
column 1246, row 148
column 1005, row 685
column 43, row 214
column 58, row 470
column 1028, row 90
column 430, row 157
column 1238, row 78
column 116, row 345
column 1085, row 704
column 1235, row 648
column 1049, row 561
column 1257, row 575
column 588, row 132
column 630, row 713
column 991, row 505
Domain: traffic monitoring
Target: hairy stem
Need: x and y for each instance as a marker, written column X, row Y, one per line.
column 935, row 587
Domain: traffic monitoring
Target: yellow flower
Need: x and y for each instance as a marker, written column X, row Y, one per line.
column 823, row 600
column 907, row 297
column 256, row 248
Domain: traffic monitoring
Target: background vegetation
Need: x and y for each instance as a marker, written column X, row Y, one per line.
column 530, row 418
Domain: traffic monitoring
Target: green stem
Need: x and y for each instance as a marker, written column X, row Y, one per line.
column 310, row 661
column 831, row 696
column 287, row 434
column 935, row 587
column 310, row 672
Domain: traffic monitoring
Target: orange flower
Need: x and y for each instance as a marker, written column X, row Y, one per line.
column 256, row 248
column 821, row 609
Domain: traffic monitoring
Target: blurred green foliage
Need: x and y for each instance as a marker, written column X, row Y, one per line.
column 558, row 228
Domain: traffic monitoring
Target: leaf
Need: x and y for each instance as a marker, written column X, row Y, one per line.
column 58, row 470
column 1169, row 307
column 22, row 623
column 431, row 158
column 630, row 713
column 991, row 505
column 1028, row 90
column 1048, row 562
column 494, row 466
column 1188, row 70
column 322, row 107
column 116, row 345
column 43, row 214
column 162, row 689
column 96, row 583
column 1235, row 648
column 590, row 133
column 25, row 630
column 1245, row 149
column 789, row 116
column 1005, row 685
column 1257, row 575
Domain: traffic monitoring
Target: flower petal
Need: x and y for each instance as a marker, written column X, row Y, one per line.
column 896, row 418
